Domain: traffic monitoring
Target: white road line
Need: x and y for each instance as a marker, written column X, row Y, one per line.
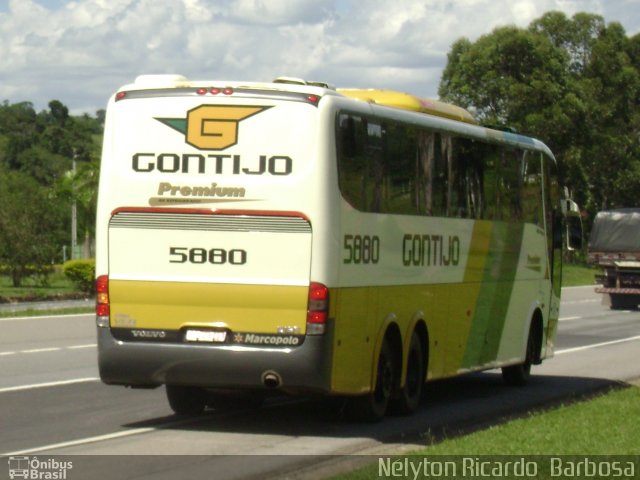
column 564, row 319
column 77, row 347
column 574, row 302
column 47, row 317
column 42, row 350
column 596, row 345
column 49, row 384
column 50, row 349
column 102, row 438
column 81, row 441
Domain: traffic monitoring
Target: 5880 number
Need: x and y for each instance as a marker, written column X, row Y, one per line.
column 361, row 249
column 215, row 256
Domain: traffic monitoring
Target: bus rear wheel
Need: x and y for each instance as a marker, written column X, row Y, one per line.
column 518, row 375
column 373, row 406
column 186, row 400
column 408, row 398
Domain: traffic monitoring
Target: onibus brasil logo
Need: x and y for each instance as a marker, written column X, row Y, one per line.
column 34, row 468
column 212, row 127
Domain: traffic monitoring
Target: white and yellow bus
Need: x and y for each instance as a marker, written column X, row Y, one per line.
column 293, row 237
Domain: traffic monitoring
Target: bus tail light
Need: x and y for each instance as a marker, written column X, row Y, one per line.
column 318, row 309
column 102, row 301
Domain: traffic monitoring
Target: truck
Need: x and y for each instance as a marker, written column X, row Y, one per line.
column 614, row 246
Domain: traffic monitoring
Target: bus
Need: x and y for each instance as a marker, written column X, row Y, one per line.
column 296, row 238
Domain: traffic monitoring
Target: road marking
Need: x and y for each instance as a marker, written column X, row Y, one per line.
column 102, row 438
column 48, row 384
column 47, row 317
column 573, row 302
column 41, row 350
column 596, row 345
column 50, row 349
column 77, row 347
column 81, row 441
column 610, row 315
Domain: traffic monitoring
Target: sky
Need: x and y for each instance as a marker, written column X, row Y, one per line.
column 81, row 51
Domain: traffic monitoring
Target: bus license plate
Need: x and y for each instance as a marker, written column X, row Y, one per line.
column 206, row 336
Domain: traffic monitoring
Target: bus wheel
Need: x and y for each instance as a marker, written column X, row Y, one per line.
column 409, row 396
column 518, row 375
column 373, row 406
column 186, row 400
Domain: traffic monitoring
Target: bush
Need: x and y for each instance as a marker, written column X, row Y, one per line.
column 39, row 273
column 81, row 273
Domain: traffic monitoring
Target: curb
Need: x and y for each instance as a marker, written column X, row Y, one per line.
column 46, row 305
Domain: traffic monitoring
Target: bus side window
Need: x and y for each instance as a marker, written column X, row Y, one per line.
column 351, row 151
column 469, row 178
column 347, row 136
column 430, row 173
column 532, row 201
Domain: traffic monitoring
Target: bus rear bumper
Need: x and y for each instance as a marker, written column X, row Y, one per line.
column 305, row 368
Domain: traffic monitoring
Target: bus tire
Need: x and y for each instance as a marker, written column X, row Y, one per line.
column 518, row 375
column 186, row 400
column 408, row 398
column 373, row 406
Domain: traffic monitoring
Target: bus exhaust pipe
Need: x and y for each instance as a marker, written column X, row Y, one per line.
column 271, row 379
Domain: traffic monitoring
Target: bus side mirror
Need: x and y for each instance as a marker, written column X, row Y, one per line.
column 574, row 232
column 573, row 221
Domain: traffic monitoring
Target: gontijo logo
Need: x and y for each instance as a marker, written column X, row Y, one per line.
column 212, row 127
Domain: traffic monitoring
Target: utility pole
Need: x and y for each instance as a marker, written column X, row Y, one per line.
column 74, row 212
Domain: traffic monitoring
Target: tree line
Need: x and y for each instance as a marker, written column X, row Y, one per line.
column 572, row 82
column 49, row 161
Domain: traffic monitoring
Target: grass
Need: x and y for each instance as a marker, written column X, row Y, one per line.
column 57, row 285
column 582, row 428
column 577, row 275
column 604, row 425
column 58, row 288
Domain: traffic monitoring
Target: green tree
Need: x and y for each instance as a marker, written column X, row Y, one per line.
column 612, row 82
column 30, row 225
column 81, row 186
column 575, row 36
column 38, row 183
column 42, row 165
column 18, row 127
column 572, row 82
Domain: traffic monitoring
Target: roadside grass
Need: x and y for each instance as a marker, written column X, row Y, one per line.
column 57, row 285
column 596, row 426
column 602, row 425
column 578, row 275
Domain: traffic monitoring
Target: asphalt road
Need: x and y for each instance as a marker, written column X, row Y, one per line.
column 51, row 403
